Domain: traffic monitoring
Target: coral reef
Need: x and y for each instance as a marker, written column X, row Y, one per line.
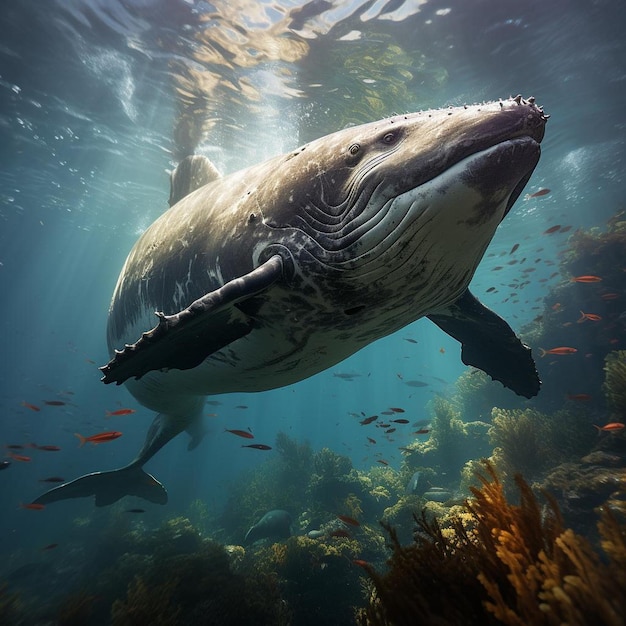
column 511, row 565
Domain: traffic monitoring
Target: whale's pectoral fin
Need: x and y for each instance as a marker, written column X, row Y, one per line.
column 489, row 344
column 185, row 339
column 109, row 487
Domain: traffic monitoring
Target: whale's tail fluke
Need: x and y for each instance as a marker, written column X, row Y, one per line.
column 109, row 487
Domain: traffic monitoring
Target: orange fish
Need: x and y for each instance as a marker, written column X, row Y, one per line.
column 54, row 402
column 592, row 317
column 613, row 427
column 340, row 532
column 30, row 406
column 361, row 563
column 537, row 194
column 585, row 279
column 46, row 448
column 609, row 296
column 552, row 229
column 382, row 462
column 240, row 433
column 348, row 520
column 579, row 397
column 120, row 412
column 558, row 351
column 20, row 457
column 99, row 438
column 33, row 507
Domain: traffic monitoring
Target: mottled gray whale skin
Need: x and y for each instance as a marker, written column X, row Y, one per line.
column 270, row 275
column 274, row 524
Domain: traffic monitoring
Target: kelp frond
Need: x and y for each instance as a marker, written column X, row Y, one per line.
column 512, row 564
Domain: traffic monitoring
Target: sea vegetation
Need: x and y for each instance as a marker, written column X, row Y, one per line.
column 529, row 442
column 615, row 384
column 400, row 515
column 598, row 253
column 280, row 483
column 199, row 515
column 10, row 606
column 335, row 486
column 197, row 588
column 452, row 442
column 77, row 609
column 174, row 576
column 504, row 564
column 320, row 583
column 476, row 393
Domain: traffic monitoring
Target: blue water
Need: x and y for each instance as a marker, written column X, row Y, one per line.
column 87, row 116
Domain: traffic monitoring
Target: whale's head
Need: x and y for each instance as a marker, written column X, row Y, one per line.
column 415, row 197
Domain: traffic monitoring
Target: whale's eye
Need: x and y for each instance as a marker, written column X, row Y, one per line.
column 354, row 148
column 389, row 138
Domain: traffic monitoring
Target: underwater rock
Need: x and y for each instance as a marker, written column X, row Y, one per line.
column 583, row 486
column 605, row 459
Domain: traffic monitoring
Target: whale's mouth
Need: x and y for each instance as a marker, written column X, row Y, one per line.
column 467, row 199
column 502, row 170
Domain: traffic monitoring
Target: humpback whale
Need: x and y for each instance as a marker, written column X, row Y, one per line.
column 267, row 276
